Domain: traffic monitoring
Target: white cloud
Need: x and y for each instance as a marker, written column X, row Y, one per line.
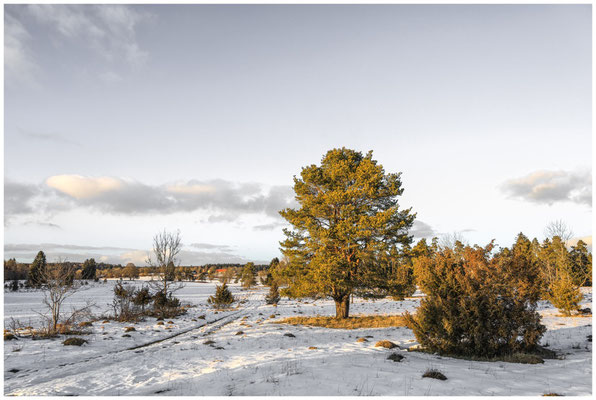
column 19, row 67
column 548, row 187
column 81, row 187
column 108, row 29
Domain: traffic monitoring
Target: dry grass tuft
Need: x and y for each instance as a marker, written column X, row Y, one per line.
column 160, row 323
column 313, row 348
column 354, row 322
column 386, row 344
column 552, row 394
column 361, row 340
column 523, row 358
column 129, row 329
column 85, row 324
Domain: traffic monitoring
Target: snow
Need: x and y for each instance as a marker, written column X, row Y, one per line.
column 263, row 361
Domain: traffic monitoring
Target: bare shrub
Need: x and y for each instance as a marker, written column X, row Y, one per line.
column 58, row 285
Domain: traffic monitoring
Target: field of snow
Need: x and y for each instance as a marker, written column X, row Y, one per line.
column 252, row 355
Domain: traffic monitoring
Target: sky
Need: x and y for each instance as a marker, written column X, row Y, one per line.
column 122, row 121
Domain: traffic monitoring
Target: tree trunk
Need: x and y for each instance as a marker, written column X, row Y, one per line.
column 342, row 306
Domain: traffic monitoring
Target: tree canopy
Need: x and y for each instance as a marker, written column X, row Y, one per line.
column 346, row 231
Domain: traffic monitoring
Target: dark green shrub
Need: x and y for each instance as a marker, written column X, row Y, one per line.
column 222, row 298
column 166, row 306
column 475, row 304
column 141, row 298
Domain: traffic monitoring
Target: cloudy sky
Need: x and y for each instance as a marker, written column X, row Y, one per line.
column 121, row 121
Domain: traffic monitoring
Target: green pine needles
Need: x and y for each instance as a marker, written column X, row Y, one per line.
column 348, row 233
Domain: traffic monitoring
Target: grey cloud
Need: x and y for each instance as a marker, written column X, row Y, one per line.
column 18, row 197
column 43, row 224
column 22, row 199
column 549, row 187
column 226, row 199
column 422, row 230
column 270, row 226
column 209, row 246
column 56, row 246
column 48, row 137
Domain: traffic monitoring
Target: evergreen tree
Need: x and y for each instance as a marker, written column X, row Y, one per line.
column 581, row 264
column 222, row 298
column 142, row 297
column 345, row 230
column 525, row 268
column 248, row 275
column 89, row 269
column 273, row 295
column 562, row 284
column 37, row 271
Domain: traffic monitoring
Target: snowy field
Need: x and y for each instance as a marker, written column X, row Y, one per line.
column 251, row 354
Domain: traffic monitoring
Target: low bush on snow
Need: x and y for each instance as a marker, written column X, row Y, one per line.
column 435, row 374
column 477, row 304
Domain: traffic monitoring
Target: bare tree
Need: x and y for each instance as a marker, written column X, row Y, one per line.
column 164, row 258
column 59, row 284
column 558, row 228
column 448, row 240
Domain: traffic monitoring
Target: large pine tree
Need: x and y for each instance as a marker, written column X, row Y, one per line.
column 346, row 230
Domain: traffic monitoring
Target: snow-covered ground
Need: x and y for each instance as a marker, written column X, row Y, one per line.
column 262, row 360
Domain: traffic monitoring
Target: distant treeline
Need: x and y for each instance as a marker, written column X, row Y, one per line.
column 15, row 270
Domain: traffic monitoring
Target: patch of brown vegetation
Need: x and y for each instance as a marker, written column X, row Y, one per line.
column 435, row 374
column 129, row 329
column 74, row 342
column 386, row 344
column 354, row 322
column 361, row 340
